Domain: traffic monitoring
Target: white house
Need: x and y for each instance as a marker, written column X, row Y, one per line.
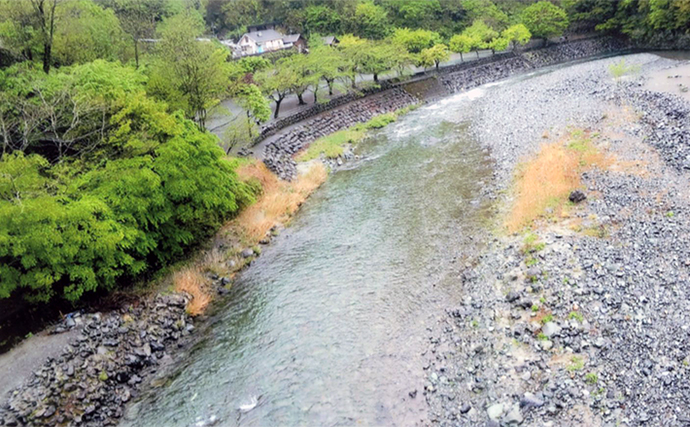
column 258, row 42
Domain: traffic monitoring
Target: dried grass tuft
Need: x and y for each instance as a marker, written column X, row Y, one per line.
column 191, row 281
column 547, row 180
column 279, row 200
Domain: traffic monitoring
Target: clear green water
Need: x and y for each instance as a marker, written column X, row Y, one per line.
column 328, row 326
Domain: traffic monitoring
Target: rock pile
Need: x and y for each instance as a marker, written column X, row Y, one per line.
column 103, row 368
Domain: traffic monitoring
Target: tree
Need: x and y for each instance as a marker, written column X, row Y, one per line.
column 86, row 32
column 330, row 62
column 379, row 57
column 414, row 13
column 487, row 12
column 415, row 40
column 189, row 74
column 434, row 56
column 44, row 14
column 544, row 20
column 277, row 83
column 321, row 19
column 18, row 29
column 126, row 197
column 481, row 35
column 370, row 21
column 516, row 34
column 139, row 18
column 462, row 43
column 353, row 53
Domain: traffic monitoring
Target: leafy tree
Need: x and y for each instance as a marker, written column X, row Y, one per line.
column 481, row 35
column 415, row 40
column 148, row 186
column 252, row 64
column 487, row 12
column 370, row 21
column 321, row 19
column 330, row 64
column 414, row 13
column 189, row 74
column 434, row 55
column 139, row 18
column 86, row 32
column 44, row 18
column 379, row 57
column 462, row 43
column 516, row 34
column 17, row 29
column 544, row 20
column 354, row 56
column 277, row 83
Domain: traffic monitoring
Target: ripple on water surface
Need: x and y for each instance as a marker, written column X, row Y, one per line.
column 328, row 326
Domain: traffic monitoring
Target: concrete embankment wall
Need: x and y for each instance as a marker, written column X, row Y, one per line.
column 342, row 112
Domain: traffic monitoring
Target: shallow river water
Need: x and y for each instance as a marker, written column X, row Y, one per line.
column 327, row 327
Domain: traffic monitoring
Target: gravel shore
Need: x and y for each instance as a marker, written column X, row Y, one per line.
column 597, row 331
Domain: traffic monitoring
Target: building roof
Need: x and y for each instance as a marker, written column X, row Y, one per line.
column 264, row 35
column 291, row 38
column 329, row 40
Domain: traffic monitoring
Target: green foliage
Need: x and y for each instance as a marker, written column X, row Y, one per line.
column 576, row 315
column 321, row 19
column 516, row 35
column 576, row 364
column 370, row 21
column 380, row 121
column 190, row 75
column 434, row 55
column 548, row 318
column 331, row 146
column 252, row 64
column 481, row 34
column 544, row 19
column 118, row 199
column 87, row 32
column 415, row 40
column 542, row 337
column 462, row 43
column 621, row 68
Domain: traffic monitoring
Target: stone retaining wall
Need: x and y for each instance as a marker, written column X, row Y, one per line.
column 278, row 153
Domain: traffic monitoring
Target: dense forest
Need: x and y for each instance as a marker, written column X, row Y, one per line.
column 107, row 169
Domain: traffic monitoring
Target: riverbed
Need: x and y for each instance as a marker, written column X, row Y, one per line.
column 328, row 326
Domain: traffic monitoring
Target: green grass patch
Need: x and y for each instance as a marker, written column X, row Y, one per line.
column 591, row 378
column 577, row 363
column 548, row 318
column 577, row 316
column 331, row 146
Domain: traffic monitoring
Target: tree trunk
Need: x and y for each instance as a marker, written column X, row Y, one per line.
column 461, row 58
column 437, row 64
column 354, row 78
column 477, row 53
column 278, row 101
column 136, row 53
column 330, row 87
column 301, row 101
column 376, row 77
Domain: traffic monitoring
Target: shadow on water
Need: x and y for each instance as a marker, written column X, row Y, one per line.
column 328, row 326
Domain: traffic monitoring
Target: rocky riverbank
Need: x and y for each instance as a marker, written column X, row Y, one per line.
column 114, row 356
column 586, row 321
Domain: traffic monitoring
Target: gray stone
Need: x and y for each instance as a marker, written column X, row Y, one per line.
column 495, row 411
column 247, row 253
column 551, row 329
column 513, row 416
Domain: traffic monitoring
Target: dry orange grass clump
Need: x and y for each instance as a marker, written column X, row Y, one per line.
column 279, row 199
column 191, row 281
column 547, row 180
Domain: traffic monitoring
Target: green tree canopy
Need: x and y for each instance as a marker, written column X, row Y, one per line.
column 544, row 19
column 370, row 21
column 415, row 40
column 516, row 34
column 434, row 55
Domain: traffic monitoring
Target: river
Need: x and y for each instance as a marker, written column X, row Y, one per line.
column 328, row 326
